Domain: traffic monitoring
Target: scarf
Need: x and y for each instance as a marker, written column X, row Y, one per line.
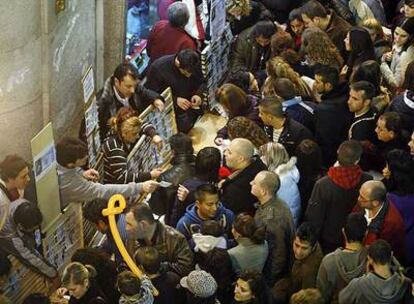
column 345, row 177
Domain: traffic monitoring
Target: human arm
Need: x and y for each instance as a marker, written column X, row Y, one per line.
column 323, row 283
column 348, row 295
column 28, row 256
column 182, row 256
column 115, row 158
column 238, row 57
column 316, row 210
column 147, row 95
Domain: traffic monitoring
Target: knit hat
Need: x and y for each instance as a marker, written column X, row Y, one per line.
column 200, row 283
column 408, row 25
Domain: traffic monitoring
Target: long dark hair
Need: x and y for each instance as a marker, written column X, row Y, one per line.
column 207, row 164
column 401, row 166
column 362, row 48
column 257, row 285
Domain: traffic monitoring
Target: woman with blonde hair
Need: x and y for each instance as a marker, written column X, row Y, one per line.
column 242, row 127
column 78, row 281
column 277, row 67
column 318, row 48
column 236, row 102
column 381, row 44
column 275, row 156
column 126, row 127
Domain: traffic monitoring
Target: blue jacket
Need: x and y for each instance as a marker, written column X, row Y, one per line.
column 190, row 223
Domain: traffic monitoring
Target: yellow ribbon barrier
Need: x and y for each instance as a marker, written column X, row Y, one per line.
column 110, row 212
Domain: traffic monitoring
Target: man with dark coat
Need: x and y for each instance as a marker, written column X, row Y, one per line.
column 183, row 167
column 169, row 37
column 315, row 14
column 332, row 116
column 364, row 121
column 275, row 215
column 334, row 196
column 144, row 230
column 236, row 189
column 391, row 135
column 252, row 47
column 279, row 127
column 123, row 89
column 181, row 72
column 308, row 256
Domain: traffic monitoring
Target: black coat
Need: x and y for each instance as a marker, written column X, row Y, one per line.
column 108, row 104
column 404, row 105
column 162, row 199
column 281, row 8
column 162, row 74
column 292, row 135
column 332, row 121
column 258, row 12
column 328, row 208
column 167, row 284
column 235, row 192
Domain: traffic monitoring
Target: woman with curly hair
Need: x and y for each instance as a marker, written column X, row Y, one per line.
column 318, row 48
column 277, row 67
column 282, row 44
column 242, row 127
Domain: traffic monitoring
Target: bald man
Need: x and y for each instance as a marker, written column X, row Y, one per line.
column 275, row 215
column 384, row 220
column 236, row 189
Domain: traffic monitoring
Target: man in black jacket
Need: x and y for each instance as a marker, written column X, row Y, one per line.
column 334, row 196
column 364, row 121
column 332, row 116
column 181, row 72
column 279, row 127
column 183, row 167
column 236, row 189
column 123, row 89
column 144, row 230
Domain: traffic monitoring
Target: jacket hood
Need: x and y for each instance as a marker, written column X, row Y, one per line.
column 350, row 265
column 289, row 169
column 345, row 177
column 205, row 243
column 378, row 290
column 191, row 214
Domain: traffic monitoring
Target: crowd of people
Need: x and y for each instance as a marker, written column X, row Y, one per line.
column 306, row 196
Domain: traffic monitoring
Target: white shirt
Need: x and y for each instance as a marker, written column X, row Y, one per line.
column 369, row 220
column 124, row 101
column 276, row 134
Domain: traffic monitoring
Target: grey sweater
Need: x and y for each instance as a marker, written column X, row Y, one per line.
column 370, row 288
column 75, row 188
column 337, row 269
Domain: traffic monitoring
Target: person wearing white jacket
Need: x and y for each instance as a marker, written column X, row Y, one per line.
column 275, row 156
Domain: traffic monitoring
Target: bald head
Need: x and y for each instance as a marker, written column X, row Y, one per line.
column 269, row 181
column 239, row 154
column 374, row 190
column 243, row 147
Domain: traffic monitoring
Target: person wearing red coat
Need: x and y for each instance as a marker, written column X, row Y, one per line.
column 169, row 37
column 384, row 220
